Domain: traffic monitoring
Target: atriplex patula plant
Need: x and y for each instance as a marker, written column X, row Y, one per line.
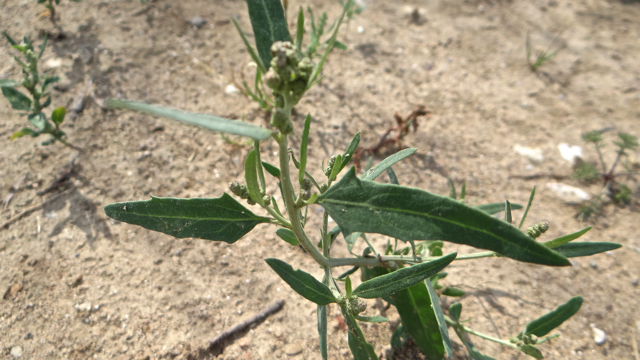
column 51, row 7
column 613, row 189
column 37, row 85
column 401, row 275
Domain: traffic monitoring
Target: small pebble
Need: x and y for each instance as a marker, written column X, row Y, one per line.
column 594, row 265
column 292, row 349
column 16, row 352
column 197, row 21
column 599, row 336
column 84, row 307
column 231, row 90
column 28, row 336
column 635, row 282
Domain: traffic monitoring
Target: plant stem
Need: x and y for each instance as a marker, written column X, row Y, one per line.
column 290, row 203
column 375, row 261
column 457, row 326
column 604, row 166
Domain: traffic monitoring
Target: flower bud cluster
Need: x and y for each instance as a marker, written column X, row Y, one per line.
column 329, row 168
column 241, row 191
column 355, row 306
column 538, row 229
column 305, row 189
column 288, row 76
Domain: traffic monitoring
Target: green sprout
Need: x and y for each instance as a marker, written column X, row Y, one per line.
column 51, row 7
column 37, row 85
column 542, row 57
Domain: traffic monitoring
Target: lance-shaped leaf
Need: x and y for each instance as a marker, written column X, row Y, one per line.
column 209, row 122
column 251, row 177
column 566, row 239
column 269, row 26
column 372, row 319
column 8, row 83
column 413, row 214
column 302, row 282
column 353, row 145
column 375, row 171
column 578, row 249
column 442, row 323
column 544, row 324
column 288, row 236
column 532, row 351
column 360, row 348
column 274, row 171
column 220, row 219
column 401, row 279
column 18, row 100
column 494, row 208
column 419, row 319
column 24, row 131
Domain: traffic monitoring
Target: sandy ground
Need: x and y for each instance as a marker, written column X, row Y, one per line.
column 79, row 285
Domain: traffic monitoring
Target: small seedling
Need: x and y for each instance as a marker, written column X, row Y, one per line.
column 405, row 274
column 542, row 57
column 51, row 8
column 618, row 192
column 37, row 85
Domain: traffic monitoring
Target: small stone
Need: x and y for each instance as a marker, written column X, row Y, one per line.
column 570, row 153
column 84, row 307
column 599, row 336
column 292, row 349
column 570, row 194
column 635, row 282
column 28, row 336
column 16, row 352
column 533, row 154
column 231, row 90
column 594, row 265
column 197, row 21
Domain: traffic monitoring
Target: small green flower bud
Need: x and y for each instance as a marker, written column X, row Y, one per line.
column 266, row 200
column 278, row 100
column 324, row 187
column 355, row 306
column 250, row 202
column 305, row 66
column 281, row 121
column 306, row 184
column 305, row 194
column 272, row 79
column 538, row 229
column 238, row 189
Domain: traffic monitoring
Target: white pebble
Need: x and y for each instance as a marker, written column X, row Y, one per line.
column 533, row 154
column 570, row 153
column 569, row 194
column 231, row 90
column 599, row 336
column 360, row 29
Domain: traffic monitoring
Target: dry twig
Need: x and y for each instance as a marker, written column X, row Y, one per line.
column 273, row 308
column 32, row 209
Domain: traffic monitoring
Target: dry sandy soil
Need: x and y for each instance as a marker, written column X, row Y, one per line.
column 151, row 296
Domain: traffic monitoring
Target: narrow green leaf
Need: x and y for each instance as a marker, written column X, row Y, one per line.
column 220, row 219
column 44, row 45
column 452, row 189
column 578, row 249
column 360, row 348
column 300, row 30
column 57, row 115
column 412, row 214
column 463, row 191
column 269, row 26
column 302, row 282
column 507, row 212
column 209, row 122
column 392, row 176
column 372, row 319
column 48, row 81
column 251, row 177
column 526, row 211
column 442, row 323
column 455, row 310
column 274, row 171
column 24, row 131
column 399, row 337
column 402, row 278
column 18, row 100
column 8, row 83
column 339, row 45
column 567, row 238
column 47, row 102
column 288, row 236
column 38, row 120
column 546, row 323
column 532, row 351
column 256, row 148
column 494, row 208
column 322, row 329
column 303, row 149
column 336, row 168
column 375, row 171
column 9, row 39
column 453, row 292
column 347, row 287
column 254, row 55
column 351, row 239
column 351, row 149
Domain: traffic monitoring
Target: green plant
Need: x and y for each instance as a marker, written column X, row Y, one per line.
column 406, row 276
column 542, row 57
column 51, row 7
column 37, row 85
